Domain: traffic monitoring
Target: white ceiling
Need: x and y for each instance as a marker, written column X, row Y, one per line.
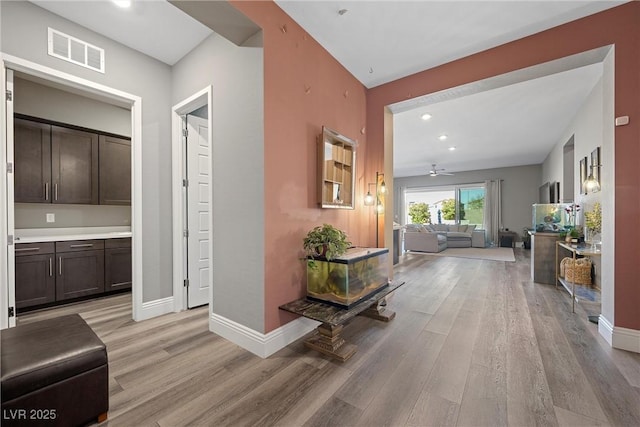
column 153, row 27
column 380, row 41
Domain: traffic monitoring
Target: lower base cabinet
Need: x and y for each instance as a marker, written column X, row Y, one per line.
column 54, row 272
column 117, row 264
column 80, row 268
column 35, row 277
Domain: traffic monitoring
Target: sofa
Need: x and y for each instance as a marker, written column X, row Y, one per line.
column 437, row 237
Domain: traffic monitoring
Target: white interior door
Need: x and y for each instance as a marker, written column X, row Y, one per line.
column 198, row 199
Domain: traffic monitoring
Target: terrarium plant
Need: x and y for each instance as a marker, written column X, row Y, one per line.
column 326, row 241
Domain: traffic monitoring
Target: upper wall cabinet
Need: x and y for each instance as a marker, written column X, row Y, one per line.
column 32, row 158
column 115, row 171
column 336, row 170
column 74, row 166
column 58, row 164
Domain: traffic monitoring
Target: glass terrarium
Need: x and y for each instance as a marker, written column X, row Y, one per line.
column 553, row 217
column 346, row 280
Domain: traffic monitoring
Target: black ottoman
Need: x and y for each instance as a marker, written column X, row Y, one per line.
column 54, row 373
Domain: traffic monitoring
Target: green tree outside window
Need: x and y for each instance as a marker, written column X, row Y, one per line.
column 419, row 213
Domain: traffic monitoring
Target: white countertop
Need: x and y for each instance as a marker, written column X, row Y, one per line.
column 36, row 235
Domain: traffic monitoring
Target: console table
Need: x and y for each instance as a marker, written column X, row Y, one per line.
column 327, row 339
column 576, row 250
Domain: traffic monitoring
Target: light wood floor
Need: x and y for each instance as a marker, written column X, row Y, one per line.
column 473, row 343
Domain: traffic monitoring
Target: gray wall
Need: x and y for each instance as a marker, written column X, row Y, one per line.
column 586, row 129
column 519, row 190
column 33, row 215
column 24, row 34
column 236, row 76
column 46, row 102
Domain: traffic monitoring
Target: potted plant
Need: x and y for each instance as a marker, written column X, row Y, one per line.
column 326, row 241
column 575, row 235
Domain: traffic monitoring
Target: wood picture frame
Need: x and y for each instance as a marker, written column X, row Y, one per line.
column 583, row 175
column 595, row 164
column 543, row 193
column 554, row 192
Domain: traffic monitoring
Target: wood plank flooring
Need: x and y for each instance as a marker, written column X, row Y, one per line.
column 474, row 343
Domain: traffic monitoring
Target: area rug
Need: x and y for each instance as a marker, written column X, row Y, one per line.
column 491, row 254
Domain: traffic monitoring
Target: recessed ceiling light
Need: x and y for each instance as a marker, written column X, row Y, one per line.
column 425, row 116
column 122, row 3
column 452, row 148
column 443, row 137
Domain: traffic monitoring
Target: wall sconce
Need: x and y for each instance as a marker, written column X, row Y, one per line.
column 591, row 184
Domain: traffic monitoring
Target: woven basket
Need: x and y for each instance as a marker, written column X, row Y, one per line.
column 576, row 271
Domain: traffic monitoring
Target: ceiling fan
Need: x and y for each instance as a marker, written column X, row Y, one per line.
column 435, row 171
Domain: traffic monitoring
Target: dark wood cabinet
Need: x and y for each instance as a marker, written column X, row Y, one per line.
column 80, row 268
column 74, row 166
column 51, row 272
column 115, row 170
column 32, row 158
column 117, row 264
column 59, row 164
column 34, row 274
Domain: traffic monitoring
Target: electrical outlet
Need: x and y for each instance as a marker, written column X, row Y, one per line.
column 51, row 217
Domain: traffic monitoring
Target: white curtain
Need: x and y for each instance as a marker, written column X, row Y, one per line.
column 493, row 210
column 400, row 213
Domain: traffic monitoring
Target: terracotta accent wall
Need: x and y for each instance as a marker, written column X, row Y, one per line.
column 305, row 88
column 619, row 26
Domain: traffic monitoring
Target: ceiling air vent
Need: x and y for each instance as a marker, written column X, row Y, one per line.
column 76, row 51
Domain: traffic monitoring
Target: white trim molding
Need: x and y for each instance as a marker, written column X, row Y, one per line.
column 617, row 337
column 115, row 97
column 263, row 345
column 178, row 172
column 155, row 308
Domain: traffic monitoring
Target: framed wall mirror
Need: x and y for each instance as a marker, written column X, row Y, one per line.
column 336, row 170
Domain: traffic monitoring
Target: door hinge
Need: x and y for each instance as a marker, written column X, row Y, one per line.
column 186, row 233
column 10, row 239
column 9, row 167
column 185, row 133
column 9, row 95
column 12, row 312
column 185, row 182
column 186, row 283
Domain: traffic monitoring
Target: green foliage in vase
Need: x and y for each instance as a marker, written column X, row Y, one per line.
column 593, row 218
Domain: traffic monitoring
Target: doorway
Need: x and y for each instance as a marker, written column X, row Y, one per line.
column 192, row 219
column 7, row 230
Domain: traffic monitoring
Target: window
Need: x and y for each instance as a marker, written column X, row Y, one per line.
column 458, row 204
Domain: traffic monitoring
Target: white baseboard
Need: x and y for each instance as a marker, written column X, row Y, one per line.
column 155, row 308
column 626, row 339
column 263, row 345
column 605, row 329
column 617, row 337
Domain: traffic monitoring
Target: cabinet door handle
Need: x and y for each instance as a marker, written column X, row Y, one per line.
column 26, row 249
column 50, row 266
column 46, row 191
column 84, row 245
column 55, row 191
column 60, row 269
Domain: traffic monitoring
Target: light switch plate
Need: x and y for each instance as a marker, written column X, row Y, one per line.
column 51, row 217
